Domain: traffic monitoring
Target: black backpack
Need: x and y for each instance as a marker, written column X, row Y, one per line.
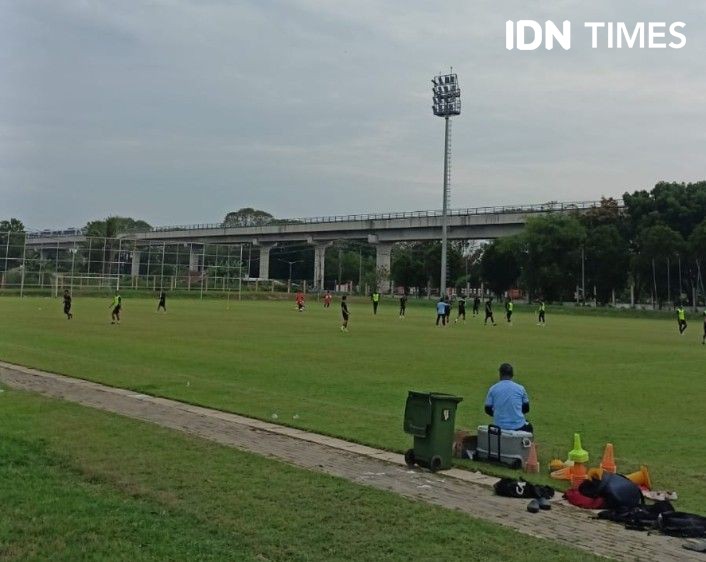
column 511, row 488
column 680, row 524
column 640, row 518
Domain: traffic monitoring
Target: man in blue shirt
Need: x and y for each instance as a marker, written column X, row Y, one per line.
column 441, row 312
column 508, row 402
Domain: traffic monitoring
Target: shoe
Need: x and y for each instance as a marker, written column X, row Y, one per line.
column 697, row 545
column 533, row 506
column 544, row 504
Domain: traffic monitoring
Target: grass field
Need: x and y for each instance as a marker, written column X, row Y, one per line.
column 79, row 484
column 634, row 382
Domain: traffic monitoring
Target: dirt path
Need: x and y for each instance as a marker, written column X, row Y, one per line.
column 455, row 489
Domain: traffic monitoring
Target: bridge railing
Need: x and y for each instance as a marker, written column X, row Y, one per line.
column 552, row 206
column 501, row 209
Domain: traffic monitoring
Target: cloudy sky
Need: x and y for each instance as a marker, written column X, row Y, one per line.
column 176, row 111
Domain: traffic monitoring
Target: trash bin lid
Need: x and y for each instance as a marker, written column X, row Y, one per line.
column 443, row 396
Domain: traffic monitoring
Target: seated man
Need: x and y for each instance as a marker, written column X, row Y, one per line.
column 508, row 402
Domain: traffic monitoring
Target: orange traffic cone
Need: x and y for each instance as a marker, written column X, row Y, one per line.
column 578, row 474
column 608, row 462
column 641, row 477
column 532, row 464
column 562, row 473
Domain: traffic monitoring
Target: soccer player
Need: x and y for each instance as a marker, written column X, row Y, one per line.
column 447, row 302
column 441, row 312
column 300, row 301
column 489, row 312
column 508, row 310
column 327, row 299
column 345, row 314
column 162, row 301
column 375, row 297
column 117, row 305
column 67, row 305
column 476, row 305
column 461, row 309
column 540, row 314
column 703, row 340
column 681, row 319
column 403, row 305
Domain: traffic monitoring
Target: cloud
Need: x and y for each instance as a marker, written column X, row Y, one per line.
column 178, row 111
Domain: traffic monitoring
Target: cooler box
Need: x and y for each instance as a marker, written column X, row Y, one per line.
column 504, row 446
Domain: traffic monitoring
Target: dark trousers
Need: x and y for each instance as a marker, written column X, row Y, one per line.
column 375, row 307
column 489, row 315
column 441, row 317
column 682, row 326
column 541, row 316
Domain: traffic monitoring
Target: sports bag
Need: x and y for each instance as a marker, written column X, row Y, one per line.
column 681, row 524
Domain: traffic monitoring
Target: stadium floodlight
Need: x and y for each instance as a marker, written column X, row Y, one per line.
column 446, row 103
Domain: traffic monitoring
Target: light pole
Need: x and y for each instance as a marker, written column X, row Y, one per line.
column 447, row 102
column 291, row 263
column 73, row 251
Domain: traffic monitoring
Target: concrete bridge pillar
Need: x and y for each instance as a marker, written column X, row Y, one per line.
column 135, row 267
column 383, row 262
column 320, row 263
column 194, row 258
column 265, row 258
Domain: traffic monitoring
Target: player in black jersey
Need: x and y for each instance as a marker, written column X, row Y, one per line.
column 67, row 305
column 345, row 314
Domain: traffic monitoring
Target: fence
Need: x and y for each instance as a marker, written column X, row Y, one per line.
column 101, row 265
column 106, row 264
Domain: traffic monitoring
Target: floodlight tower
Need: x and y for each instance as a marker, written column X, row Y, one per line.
column 447, row 102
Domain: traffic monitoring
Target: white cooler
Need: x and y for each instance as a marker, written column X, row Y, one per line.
column 504, row 446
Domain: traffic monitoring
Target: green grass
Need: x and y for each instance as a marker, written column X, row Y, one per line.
column 79, row 484
column 634, row 382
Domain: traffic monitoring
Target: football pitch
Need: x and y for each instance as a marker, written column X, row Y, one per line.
column 631, row 381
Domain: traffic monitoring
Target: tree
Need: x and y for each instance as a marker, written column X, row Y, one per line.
column 697, row 241
column 113, row 226
column 607, row 261
column 658, row 244
column 499, row 264
column 408, row 266
column 12, row 225
column 12, row 239
column 552, row 255
column 681, row 206
column 608, row 212
column 247, row 216
column 107, row 230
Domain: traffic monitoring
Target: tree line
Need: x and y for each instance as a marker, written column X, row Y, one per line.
column 655, row 244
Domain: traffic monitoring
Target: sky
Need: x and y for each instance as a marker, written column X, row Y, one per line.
column 178, row 111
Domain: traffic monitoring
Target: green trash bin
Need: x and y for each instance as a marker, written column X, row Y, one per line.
column 430, row 417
